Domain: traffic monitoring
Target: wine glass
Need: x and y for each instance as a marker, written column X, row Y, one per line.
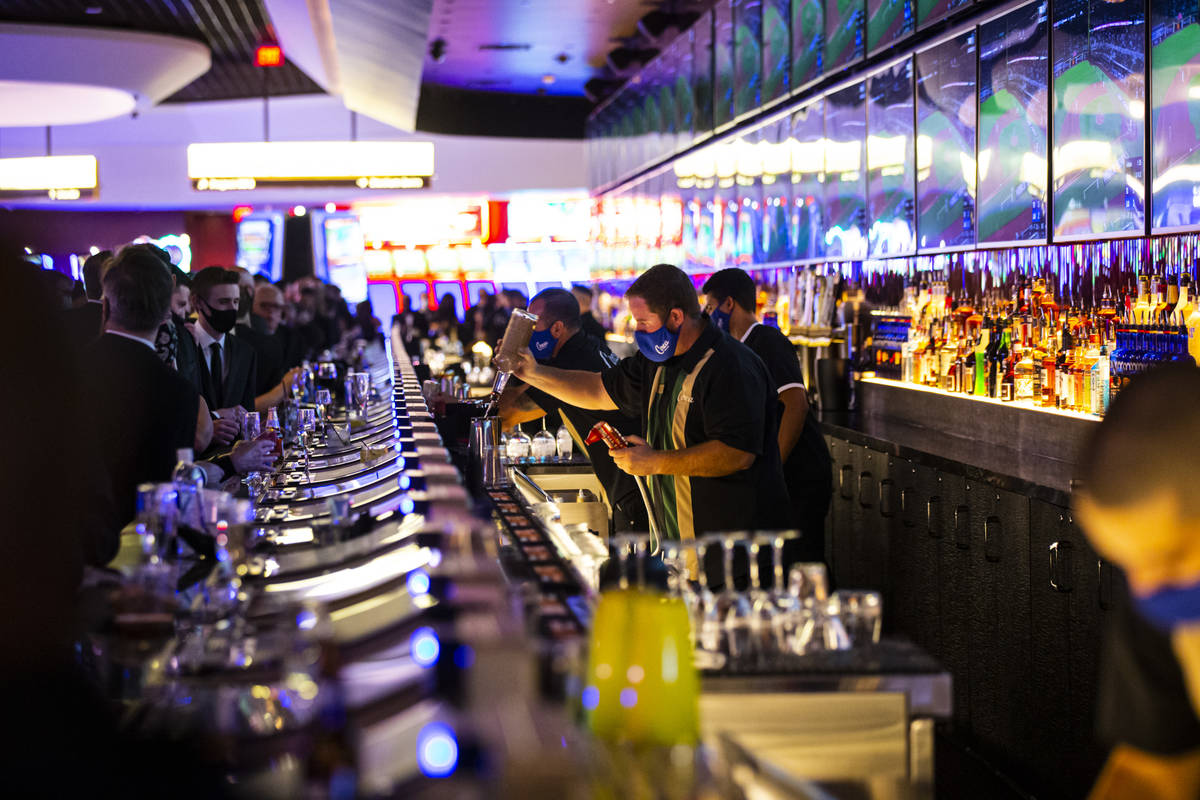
column 788, row 608
column 518, row 446
column 564, row 442
column 862, row 615
column 543, row 446
column 763, row 610
column 324, row 402
column 821, row 628
column 733, row 607
column 308, row 426
column 251, row 430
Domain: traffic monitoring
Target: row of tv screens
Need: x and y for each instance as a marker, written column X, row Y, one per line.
column 964, row 144
column 740, row 55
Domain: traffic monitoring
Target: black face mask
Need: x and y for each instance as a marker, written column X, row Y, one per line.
column 222, row 320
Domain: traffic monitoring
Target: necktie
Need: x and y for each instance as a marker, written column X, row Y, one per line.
column 214, row 371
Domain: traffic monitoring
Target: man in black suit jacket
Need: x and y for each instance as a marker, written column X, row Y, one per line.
column 226, row 367
column 142, row 410
column 83, row 324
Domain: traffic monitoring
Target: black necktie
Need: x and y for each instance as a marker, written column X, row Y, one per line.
column 214, row 371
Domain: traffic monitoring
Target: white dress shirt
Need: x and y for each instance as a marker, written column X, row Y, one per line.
column 204, row 342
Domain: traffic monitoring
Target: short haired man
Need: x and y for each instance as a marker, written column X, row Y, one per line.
column 558, row 341
column 707, row 408
column 1138, row 504
column 143, row 411
column 226, row 368
column 83, row 323
column 591, row 326
column 807, row 467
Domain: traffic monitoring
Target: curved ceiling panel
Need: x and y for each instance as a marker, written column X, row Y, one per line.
column 47, row 68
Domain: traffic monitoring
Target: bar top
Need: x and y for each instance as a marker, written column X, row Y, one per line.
column 1020, row 450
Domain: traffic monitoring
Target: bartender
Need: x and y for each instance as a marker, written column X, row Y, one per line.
column 707, row 411
column 1137, row 503
column 559, row 341
column 807, row 467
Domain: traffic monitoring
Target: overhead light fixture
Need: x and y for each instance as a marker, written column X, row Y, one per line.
column 56, row 177
column 365, row 165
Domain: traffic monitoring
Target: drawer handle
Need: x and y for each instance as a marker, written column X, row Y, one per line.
column 865, row 487
column 887, row 504
column 993, row 529
column 1060, row 567
column 844, row 482
column 962, row 527
column 933, row 517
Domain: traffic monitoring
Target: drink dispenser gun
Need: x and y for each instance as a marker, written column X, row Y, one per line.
column 516, row 339
column 604, row 432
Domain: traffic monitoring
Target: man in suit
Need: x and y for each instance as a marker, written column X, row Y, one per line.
column 83, row 323
column 143, row 411
column 262, row 334
column 226, row 367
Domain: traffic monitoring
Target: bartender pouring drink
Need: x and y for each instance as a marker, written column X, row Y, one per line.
column 707, row 411
column 559, row 341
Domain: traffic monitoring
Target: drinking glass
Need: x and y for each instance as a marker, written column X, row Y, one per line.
column 308, row 426
column 763, row 610
column 251, row 426
column 518, row 446
column 821, row 627
column 362, row 391
column 324, row 404
column 788, row 608
column 862, row 616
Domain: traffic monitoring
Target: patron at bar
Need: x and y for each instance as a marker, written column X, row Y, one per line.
column 707, row 408
column 1138, row 504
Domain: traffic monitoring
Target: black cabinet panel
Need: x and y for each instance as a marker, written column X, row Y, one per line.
column 841, row 510
column 1054, row 547
column 1000, row 656
column 954, row 596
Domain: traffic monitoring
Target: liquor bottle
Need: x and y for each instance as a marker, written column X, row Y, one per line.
column 1100, row 382
column 1026, row 377
column 981, row 361
column 966, row 369
column 999, row 365
column 1049, row 396
column 1141, row 306
column 1008, row 384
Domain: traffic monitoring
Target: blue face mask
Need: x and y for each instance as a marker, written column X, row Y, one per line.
column 657, row 346
column 1170, row 606
column 720, row 319
column 542, row 344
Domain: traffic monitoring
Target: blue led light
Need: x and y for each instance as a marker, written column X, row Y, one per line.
column 407, row 505
column 590, row 698
column 405, row 482
column 437, row 750
column 424, row 646
column 464, row 656
column 418, row 582
column 628, row 697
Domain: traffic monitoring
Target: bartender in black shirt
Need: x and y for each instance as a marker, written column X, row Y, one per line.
column 558, row 341
column 807, row 467
column 707, row 411
column 1138, row 505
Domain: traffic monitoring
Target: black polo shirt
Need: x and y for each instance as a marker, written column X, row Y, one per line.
column 584, row 352
column 718, row 390
column 809, row 462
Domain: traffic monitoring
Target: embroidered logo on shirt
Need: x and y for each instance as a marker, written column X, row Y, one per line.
column 684, row 398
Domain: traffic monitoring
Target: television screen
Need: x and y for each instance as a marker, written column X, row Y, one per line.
column 1175, row 126
column 845, row 174
column 808, row 41
column 723, row 69
column 749, row 217
column 888, row 21
column 930, row 11
column 344, row 248
column 1013, row 50
column 890, row 162
column 725, row 205
column 807, row 143
column 776, row 157
column 1099, row 117
column 946, row 144
column 747, row 55
column 844, row 34
column 685, row 102
column 777, row 49
column 702, row 74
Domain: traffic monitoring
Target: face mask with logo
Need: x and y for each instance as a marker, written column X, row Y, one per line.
column 658, row 345
column 220, row 320
column 720, row 319
column 542, row 344
column 1171, row 606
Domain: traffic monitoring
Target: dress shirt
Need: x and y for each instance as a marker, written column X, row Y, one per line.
column 204, row 342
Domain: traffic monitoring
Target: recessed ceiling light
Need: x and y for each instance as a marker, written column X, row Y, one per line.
column 548, row 79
